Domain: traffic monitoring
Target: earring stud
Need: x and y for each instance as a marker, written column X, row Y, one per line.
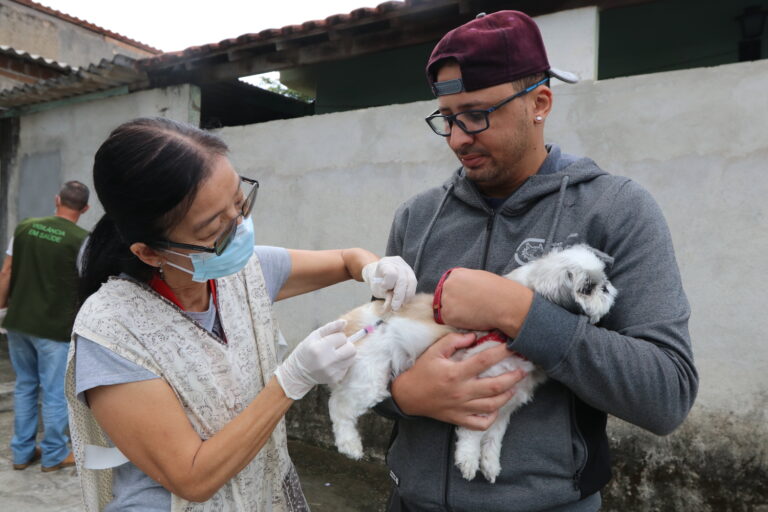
column 538, row 119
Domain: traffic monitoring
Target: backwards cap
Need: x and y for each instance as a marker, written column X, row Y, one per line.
column 490, row 50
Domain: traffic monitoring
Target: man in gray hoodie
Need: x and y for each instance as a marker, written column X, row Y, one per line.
column 513, row 199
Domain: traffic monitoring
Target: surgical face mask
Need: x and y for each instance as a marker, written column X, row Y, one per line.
column 207, row 265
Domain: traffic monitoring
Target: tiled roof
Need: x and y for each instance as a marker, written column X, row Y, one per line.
column 85, row 24
column 283, row 35
column 389, row 25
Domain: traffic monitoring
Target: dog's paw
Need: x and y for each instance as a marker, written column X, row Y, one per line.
column 352, row 448
column 490, row 467
column 467, row 458
column 468, row 467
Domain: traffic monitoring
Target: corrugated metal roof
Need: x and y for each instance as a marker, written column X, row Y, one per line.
column 120, row 71
column 87, row 25
column 37, row 59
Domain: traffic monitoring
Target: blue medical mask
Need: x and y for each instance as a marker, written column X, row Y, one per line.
column 207, row 265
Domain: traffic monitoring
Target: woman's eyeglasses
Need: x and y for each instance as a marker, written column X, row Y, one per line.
column 223, row 240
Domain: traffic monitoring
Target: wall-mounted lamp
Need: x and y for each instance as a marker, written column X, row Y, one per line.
column 752, row 23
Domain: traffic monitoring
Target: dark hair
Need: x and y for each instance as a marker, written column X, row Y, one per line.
column 527, row 81
column 74, row 195
column 146, row 175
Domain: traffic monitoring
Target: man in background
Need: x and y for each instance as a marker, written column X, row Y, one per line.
column 38, row 284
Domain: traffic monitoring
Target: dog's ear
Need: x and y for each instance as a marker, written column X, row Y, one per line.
column 606, row 259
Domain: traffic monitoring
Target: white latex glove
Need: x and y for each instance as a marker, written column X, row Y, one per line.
column 323, row 357
column 391, row 274
column 3, row 311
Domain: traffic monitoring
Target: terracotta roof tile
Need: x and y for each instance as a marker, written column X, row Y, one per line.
column 390, row 6
column 245, row 38
column 292, row 29
column 338, row 18
column 313, row 24
column 276, row 33
column 269, row 33
column 363, row 12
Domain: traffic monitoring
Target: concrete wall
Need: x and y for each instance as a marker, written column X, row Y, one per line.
column 696, row 139
column 36, row 32
column 571, row 39
column 68, row 137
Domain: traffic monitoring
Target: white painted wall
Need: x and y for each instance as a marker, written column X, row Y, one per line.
column 571, row 40
column 697, row 139
column 77, row 130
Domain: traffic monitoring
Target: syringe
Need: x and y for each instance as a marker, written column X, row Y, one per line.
column 365, row 331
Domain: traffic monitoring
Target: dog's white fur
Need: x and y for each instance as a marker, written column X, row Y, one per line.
column 573, row 278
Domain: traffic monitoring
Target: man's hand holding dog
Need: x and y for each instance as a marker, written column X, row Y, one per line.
column 447, row 390
column 481, row 301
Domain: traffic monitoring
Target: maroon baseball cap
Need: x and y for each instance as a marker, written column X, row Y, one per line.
column 492, row 49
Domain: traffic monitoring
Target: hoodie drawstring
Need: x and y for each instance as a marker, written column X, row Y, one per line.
column 550, row 236
column 431, row 224
column 556, row 221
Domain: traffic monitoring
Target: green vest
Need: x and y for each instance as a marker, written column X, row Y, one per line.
column 43, row 295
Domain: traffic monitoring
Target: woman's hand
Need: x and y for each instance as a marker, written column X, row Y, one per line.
column 391, row 274
column 322, row 358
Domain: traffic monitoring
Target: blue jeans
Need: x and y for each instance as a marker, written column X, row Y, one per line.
column 39, row 364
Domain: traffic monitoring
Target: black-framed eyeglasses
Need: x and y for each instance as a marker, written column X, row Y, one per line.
column 471, row 121
column 228, row 234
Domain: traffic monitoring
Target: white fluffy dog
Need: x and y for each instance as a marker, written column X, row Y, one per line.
column 573, row 278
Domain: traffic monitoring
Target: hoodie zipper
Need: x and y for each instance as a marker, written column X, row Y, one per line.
column 580, row 439
column 488, row 230
column 448, row 469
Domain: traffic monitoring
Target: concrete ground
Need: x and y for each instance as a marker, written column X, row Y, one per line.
column 331, row 482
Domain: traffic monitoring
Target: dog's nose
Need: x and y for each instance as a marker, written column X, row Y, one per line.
column 587, row 288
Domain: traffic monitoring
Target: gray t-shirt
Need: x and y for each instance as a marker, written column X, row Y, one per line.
column 97, row 366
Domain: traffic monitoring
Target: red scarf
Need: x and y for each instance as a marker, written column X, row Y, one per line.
column 163, row 289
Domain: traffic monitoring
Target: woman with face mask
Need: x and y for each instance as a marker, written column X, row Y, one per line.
column 176, row 395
